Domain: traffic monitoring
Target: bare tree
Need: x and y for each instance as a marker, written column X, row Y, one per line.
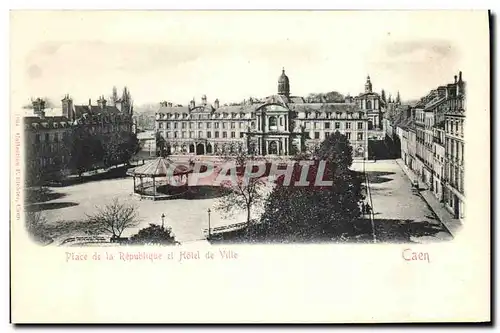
column 115, row 217
column 244, row 192
column 36, row 227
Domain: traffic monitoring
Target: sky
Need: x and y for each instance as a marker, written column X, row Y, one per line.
column 175, row 56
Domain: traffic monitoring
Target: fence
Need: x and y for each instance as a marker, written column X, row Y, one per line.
column 225, row 228
column 87, row 239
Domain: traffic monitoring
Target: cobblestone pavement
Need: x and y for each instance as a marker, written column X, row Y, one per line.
column 396, row 208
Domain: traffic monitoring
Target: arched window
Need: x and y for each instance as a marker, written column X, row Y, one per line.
column 273, row 123
column 368, row 104
column 273, row 148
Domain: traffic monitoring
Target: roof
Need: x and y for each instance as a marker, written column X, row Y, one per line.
column 46, row 123
column 222, row 109
column 80, row 110
column 325, row 107
column 367, row 94
column 407, row 123
column 398, row 118
column 160, row 167
column 435, row 102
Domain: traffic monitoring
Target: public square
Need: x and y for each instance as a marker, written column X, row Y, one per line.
column 186, row 217
column 396, row 208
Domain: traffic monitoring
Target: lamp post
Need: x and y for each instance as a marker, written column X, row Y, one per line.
column 209, row 233
column 162, row 220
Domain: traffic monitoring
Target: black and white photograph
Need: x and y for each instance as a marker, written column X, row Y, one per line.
column 218, row 129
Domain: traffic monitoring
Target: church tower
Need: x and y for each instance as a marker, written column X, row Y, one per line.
column 368, row 85
column 126, row 101
column 283, row 84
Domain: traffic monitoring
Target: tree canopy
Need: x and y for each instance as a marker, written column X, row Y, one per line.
column 329, row 97
column 294, row 214
column 154, row 234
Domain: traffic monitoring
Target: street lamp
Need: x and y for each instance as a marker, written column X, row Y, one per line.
column 162, row 220
column 209, row 234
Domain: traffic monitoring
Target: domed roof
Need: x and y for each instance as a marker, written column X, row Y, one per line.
column 283, row 78
column 283, row 84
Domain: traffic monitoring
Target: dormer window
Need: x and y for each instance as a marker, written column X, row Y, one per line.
column 318, row 115
column 242, row 115
column 225, row 115
column 176, row 116
column 329, row 115
column 308, row 114
column 234, row 115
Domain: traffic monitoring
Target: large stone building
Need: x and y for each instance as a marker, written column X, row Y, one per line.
column 280, row 124
column 48, row 139
column 436, row 155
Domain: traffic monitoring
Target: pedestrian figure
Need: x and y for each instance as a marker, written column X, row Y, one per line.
column 368, row 209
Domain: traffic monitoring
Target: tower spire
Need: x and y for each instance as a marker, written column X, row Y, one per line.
column 283, row 84
column 368, row 85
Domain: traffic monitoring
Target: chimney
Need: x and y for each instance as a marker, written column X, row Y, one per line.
column 90, row 104
column 192, row 104
column 67, row 108
column 455, row 79
column 39, row 107
column 460, row 76
column 216, row 103
column 441, row 91
column 101, row 102
column 204, row 100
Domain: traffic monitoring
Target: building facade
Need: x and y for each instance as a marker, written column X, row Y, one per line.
column 48, row 140
column 280, row 124
column 437, row 154
column 454, row 118
column 374, row 106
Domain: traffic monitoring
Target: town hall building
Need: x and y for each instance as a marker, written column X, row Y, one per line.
column 278, row 125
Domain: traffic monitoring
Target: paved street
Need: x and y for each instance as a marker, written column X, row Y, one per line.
column 396, row 209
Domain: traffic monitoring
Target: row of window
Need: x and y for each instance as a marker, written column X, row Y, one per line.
column 208, row 135
column 47, row 137
column 337, row 125
column 336, row 115
column 46, row 161
column 455, row 127
column 184, row 125
column 360, row 136
column 57, row 136
column 225, row 115
column 219, row 115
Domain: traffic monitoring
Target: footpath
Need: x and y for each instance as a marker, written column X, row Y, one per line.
column 453, row 225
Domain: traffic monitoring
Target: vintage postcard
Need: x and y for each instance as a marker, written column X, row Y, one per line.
column 250, row 167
